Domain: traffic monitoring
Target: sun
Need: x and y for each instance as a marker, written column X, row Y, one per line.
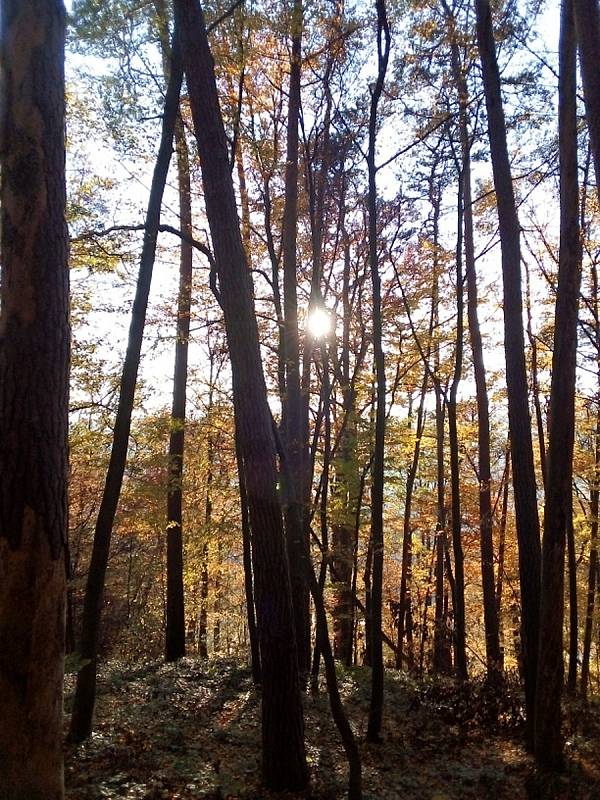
column 318, row 323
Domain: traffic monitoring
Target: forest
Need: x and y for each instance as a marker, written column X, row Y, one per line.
column 299, row 399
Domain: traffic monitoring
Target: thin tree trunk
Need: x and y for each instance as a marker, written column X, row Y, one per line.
column 405, row 602
column 175, row 632
column 490, row 613
column 85, row 692
column 559, row 474
column 248, row 572
column 335, row 701
column 458, row 596
column 34, row 389
column 573, row 611
column 593, row 566
column 377, row 474
column 526, row 511
column 283, row 753
column 292, row 406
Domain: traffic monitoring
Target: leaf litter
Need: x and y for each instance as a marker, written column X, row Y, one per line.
column 191, row 730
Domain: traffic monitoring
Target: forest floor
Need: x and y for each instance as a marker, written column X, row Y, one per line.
column 192, row 730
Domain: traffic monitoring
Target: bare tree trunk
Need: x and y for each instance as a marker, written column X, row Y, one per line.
column 405, row 601
column 292, row 406
column 573, row 611
column 526, row 511
column 85, row 692
column 593, row 567
column 377, row 474
column 34, row 388
column 458, row 596
column 175, row 632
column 248, row 570
column 559, row 474
column 490, row 613
column 284, row 758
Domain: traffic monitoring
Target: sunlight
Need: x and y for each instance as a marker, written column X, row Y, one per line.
column 318, row 323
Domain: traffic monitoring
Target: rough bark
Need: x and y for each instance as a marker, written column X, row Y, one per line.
column 526, row 511
column 85, row 693
column 284, row 759
column 34, row 375
column 559, row 464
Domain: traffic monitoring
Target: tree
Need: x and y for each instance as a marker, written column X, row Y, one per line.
column 492, row 639
column 524, row 484
column 83, row 707
column 284, row 759
column 559, row 464
column 292, row 404
column 377, row 481
column 34, row 369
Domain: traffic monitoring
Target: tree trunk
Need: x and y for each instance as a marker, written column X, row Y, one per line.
column 405, row 602
column 526, row 511
column 559, row 465
column 85, row 692
column 377, row 474
column 175, row 633
column 292, row 406
column 490, row 613
column 284, row 759
column 34, row 386
column 593, row 566
column 573, row 611
column 458, row 596
column 248, row 573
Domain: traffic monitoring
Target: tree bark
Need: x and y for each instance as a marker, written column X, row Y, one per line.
column 85, row 692
column 526, row 511
column 34, row 386
column 559, row 465
column 284, row 759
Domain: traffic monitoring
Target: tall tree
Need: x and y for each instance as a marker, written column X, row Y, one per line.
column 292, row 405
column 559, row 464
column 85, row 692
column 34, row 375
column 526, row 511
column 284, row 758
column 490, row 612
column 377, row 474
